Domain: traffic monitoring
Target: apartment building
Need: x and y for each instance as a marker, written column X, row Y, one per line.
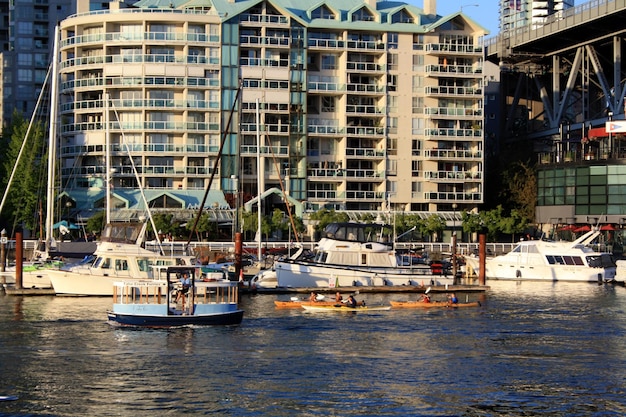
column 344, row 104
column 518, row 14
column 26, row 35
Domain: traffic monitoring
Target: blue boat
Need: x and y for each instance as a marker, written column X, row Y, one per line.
column 179, row 300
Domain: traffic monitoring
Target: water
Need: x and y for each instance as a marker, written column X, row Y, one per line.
column 532, row 349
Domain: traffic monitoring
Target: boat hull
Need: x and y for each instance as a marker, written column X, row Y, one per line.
column 516, row 271
column 157, row 320
column 346, row 309
column 294, row 274
column 300, row 304
column 432, row 304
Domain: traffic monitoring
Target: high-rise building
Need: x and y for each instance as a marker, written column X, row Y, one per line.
column 26, row 36
column 515, row 14
column 344, row 104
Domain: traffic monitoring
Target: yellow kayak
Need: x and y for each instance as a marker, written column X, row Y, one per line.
column 301, row 303
column 338, row 307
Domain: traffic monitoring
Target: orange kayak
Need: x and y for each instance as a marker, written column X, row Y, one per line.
column 432, row 304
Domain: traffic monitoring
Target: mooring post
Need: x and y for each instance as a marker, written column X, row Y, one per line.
column 482, row 255
column 238, row 252
column 19, row 258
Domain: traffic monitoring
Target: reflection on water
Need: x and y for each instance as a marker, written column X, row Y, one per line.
column 532, row 349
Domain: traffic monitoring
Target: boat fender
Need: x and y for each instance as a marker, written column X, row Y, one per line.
column 518, row 274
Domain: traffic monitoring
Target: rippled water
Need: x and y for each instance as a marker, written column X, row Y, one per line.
column 532, row 349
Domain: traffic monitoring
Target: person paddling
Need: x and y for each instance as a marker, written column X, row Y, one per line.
column 351, row 302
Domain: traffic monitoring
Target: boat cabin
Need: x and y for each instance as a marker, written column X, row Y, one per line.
column 168, row 297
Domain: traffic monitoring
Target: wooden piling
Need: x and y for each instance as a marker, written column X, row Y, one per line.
column 482, row 255
column 19, row 260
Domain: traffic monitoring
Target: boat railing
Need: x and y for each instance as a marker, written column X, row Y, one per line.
column 155, row 292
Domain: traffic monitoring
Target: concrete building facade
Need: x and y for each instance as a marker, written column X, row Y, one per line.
column 350, row 105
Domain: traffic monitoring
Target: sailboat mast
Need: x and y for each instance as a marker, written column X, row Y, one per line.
column 52, row 138
column 107, row 139
column 259, row 174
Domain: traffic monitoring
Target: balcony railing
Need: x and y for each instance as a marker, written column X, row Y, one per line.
column 451, row 48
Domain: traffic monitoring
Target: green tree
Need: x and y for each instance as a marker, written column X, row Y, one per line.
column 96, row 223
column 519, row 190
column 492, row 221
column 433, row 226
column 514, row 224
column 326, row 217
column 26, row 196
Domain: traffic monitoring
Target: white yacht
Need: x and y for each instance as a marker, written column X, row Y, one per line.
column 355, row 254
column 119, row 257
column 541, row 260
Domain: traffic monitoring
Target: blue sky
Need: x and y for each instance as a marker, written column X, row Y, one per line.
column 485, row 13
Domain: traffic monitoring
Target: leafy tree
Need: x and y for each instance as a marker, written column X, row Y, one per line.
column 492, row 221
column 514, row 224
column 520, row 190
column 326, row 217
column 26, row 192
column 96, row 223
column 433, row 226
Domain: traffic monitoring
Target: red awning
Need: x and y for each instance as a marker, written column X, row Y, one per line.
column 597, row 132
column 608, row 227
column 584, row 228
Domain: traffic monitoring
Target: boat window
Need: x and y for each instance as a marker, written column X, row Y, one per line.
column 578, row 260
column 559, row 260
column 594, row 261
column 106, row 263
column 143, row 265
column 97, row 262
column 363, row 259
column 121, row 265
column 551, row 259
column 517, row 249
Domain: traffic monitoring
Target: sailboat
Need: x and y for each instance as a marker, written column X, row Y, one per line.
column 118, row 256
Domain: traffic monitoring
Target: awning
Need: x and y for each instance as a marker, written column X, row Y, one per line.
column 608, row 227
column 597, row 132
column 584, row 228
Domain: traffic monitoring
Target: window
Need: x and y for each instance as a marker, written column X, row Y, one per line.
column 362, row 15
column 392, row 62
column 328, row 104
column 329, row 62
column 392, row 82
column 392, row 40
column 392, row 146
column 322, row 12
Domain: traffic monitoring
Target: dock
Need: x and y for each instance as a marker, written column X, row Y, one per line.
column 11, row 290
column 391, row 289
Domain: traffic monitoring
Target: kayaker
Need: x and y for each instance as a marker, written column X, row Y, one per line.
column 452, row 299
column 351, row 302
column 425, row 298
column 313, row 297
column 338, row 297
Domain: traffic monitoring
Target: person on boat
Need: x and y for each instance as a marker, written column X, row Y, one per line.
column 338, row 297
column 453, row 299
column 351, row 302
column 313, row 297
column 425, row 298
column 185, row 284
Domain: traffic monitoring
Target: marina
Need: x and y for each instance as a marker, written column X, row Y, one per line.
column 531, row 349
